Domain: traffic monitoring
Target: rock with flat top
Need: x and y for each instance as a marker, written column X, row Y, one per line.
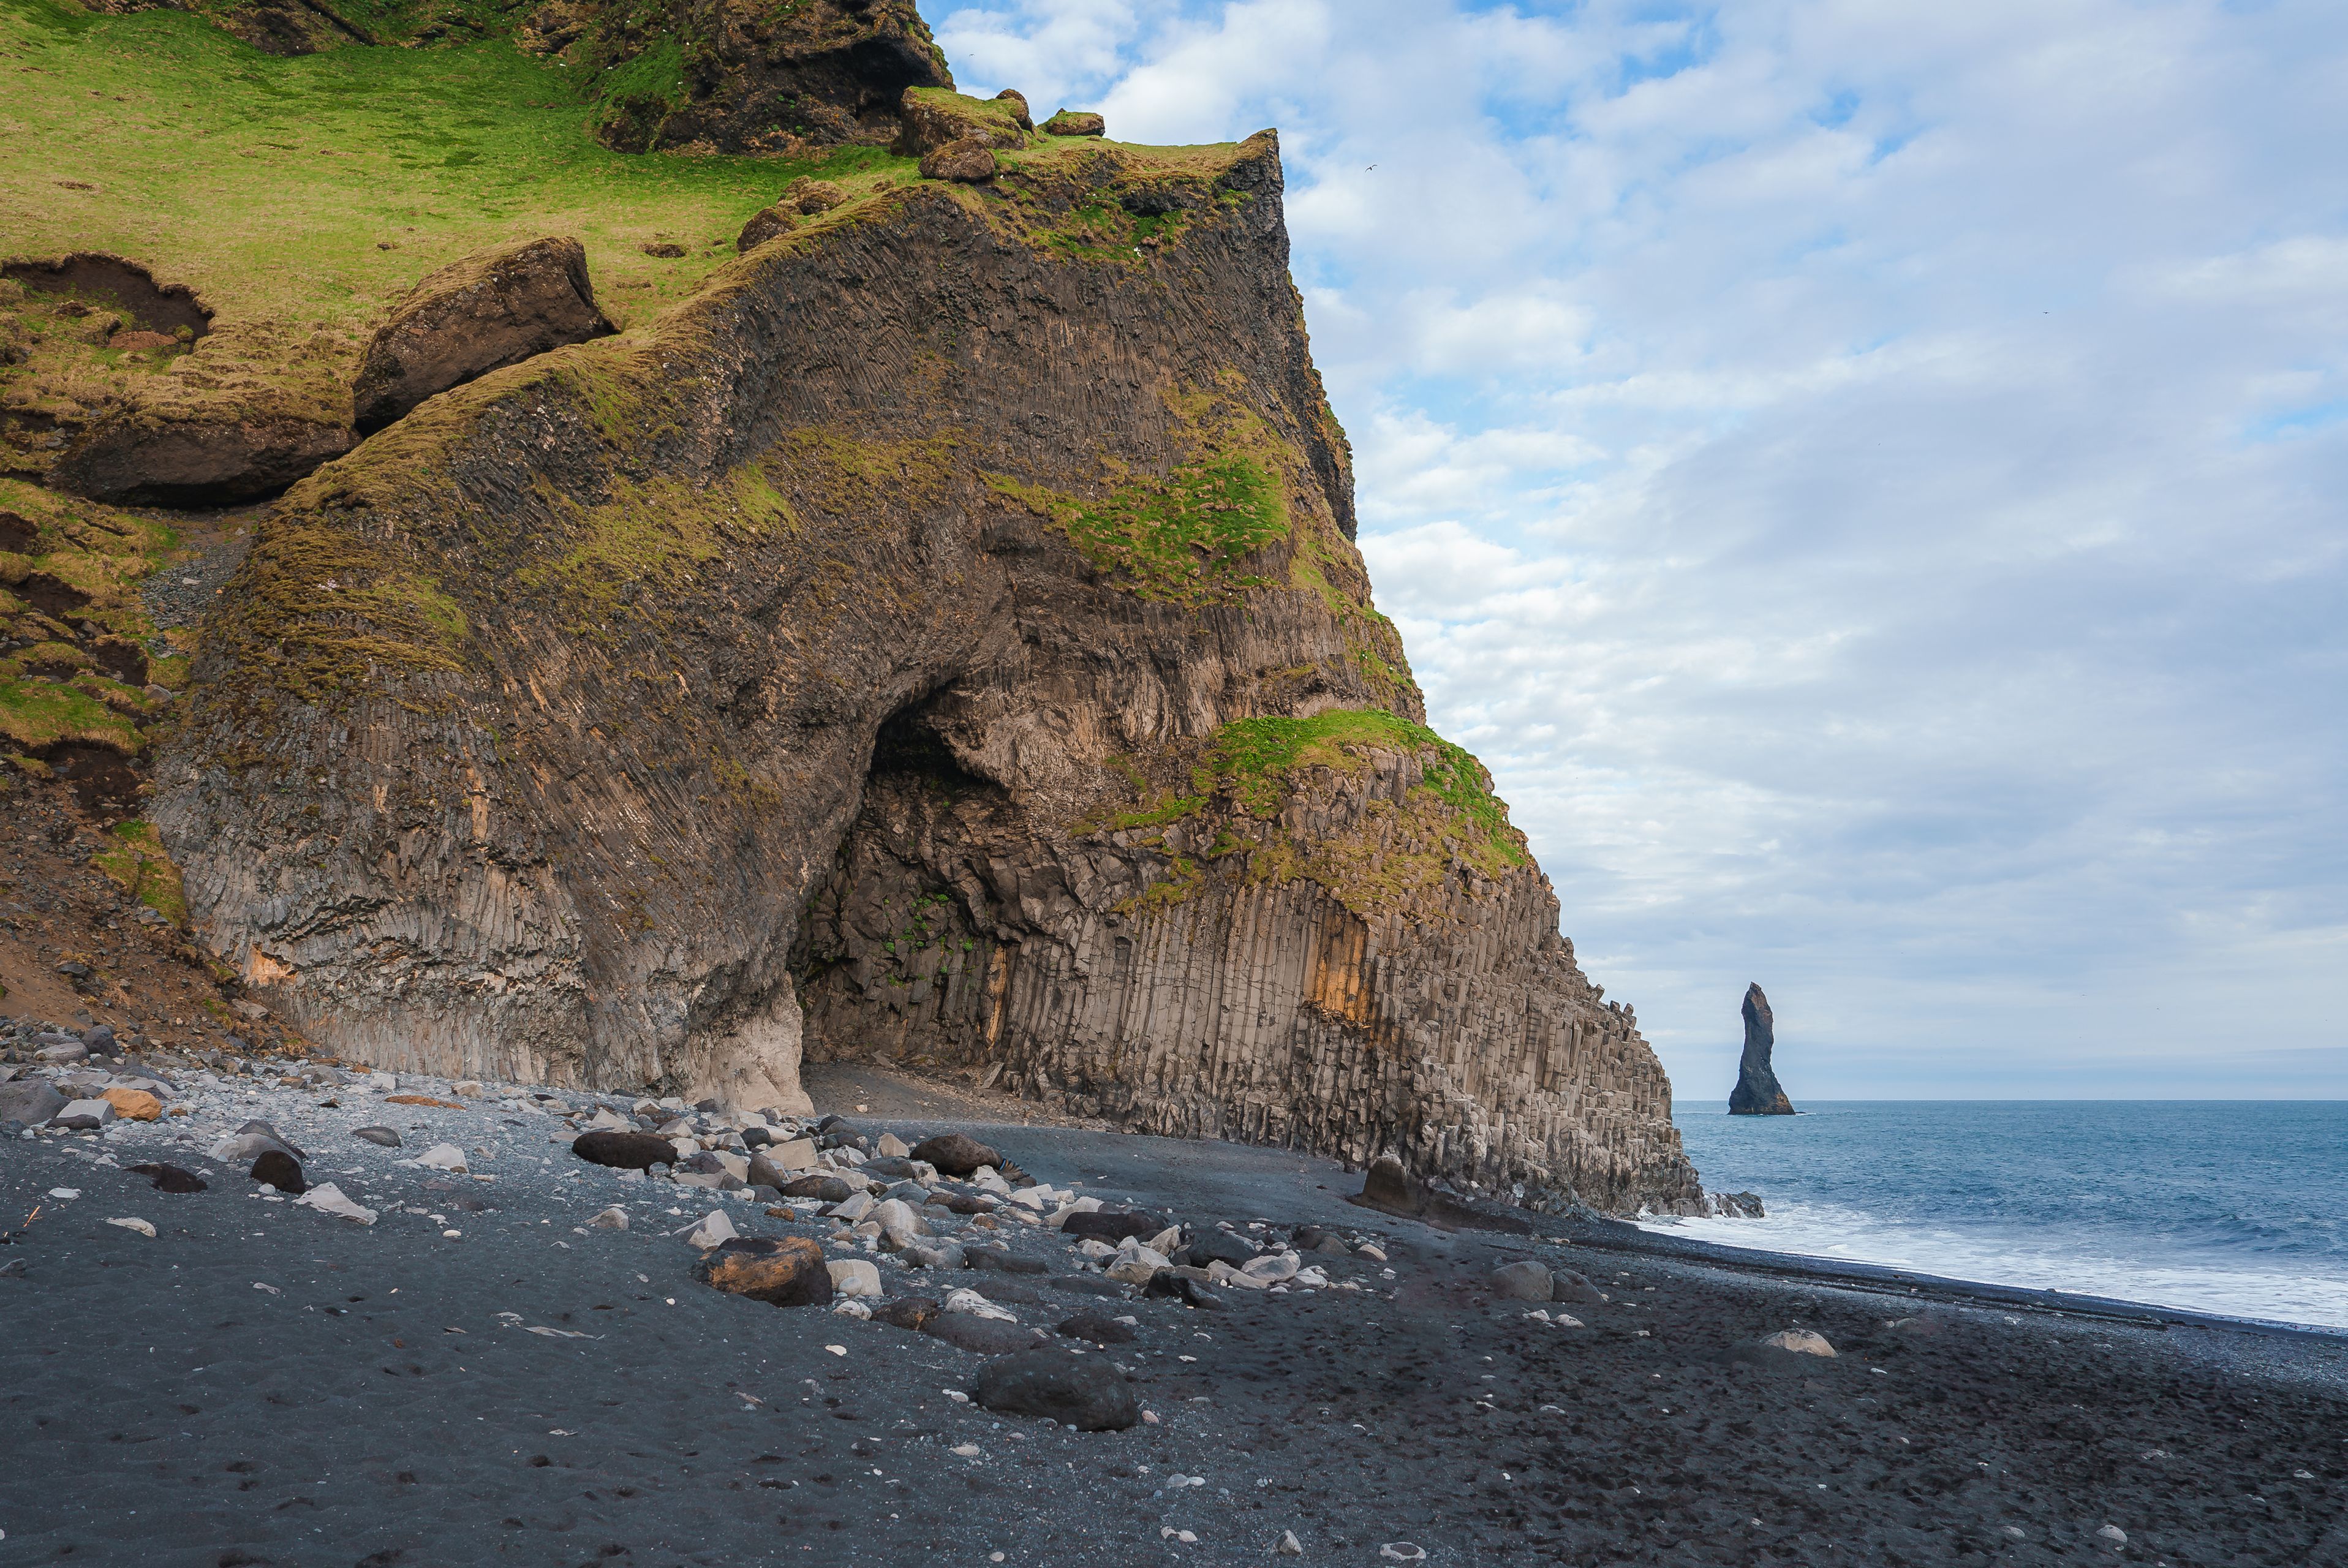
column 83, row 1115
column 968, row 162
column 31, row 1101
column 624, row 1150
column 280, row 1170
column 1076, row 122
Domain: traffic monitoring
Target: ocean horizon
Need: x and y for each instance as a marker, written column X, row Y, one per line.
column 2230, row 1206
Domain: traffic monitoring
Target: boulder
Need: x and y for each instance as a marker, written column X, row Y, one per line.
column 83, row 1115
column 624, row 1150
column 280, row 1170
column 822, row 1188
column 1083, row 1392
column 1018, row 102
column 955, row 1153
column 1112, row 1224
column 384, row 1137
column 967, row 161
column 1387, row 1187
column 789, row 1272
column 1098, row 1327
column 1567, row 1285
column 807, row 195
column 716, row 1229
column 988, row 1259
column 931, row 119
column 854, row 1276
column 1220, row 1246
column 170, row 1178
column 268, row 1130
column 444, row 1157
column 1522, row 1282
column 763, row 225
column 481, row 313
column 912, row 1311
column 890, row 1147
column 1801, row 1341
column 195, row 454
column 133, row 1104
column 981, row 1336
column 1076, row 122
column 30, row 1100
column 611, row 1219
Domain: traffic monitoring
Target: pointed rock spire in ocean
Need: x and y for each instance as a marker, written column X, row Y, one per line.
column 1757, row 1092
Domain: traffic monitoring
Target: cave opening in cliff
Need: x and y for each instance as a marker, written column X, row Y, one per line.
column 901, row 960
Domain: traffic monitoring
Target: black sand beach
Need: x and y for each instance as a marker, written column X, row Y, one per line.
column 261, row 1383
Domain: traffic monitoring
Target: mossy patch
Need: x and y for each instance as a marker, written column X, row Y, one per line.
column 137, row 860
column 1394, row 857
column 650, row 535
column 35, row 714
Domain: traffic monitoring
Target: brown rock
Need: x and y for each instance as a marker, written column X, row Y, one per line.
column 194, row 455
column 666, row 249
column 906, row 1312
column 969, row 160
column 493, row 308
column 823, row 1188
column 133, row 1104
column 624, row 1150
column 763, row 225
column 1387, row 1187
column 808, row 195
column 1075, row 122
column 789, row 1272
column 169, row 1178
column 955, row 1154
column 932, row 120
column 1018, row 101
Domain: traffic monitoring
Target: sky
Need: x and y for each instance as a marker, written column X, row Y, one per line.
column 1868, row 477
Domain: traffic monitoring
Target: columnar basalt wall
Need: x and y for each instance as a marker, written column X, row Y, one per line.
column 986, row 550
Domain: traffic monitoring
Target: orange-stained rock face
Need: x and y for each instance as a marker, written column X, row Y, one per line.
column 790, row 1272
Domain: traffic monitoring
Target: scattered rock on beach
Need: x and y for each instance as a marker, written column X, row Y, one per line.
column 854, row 1276
column 30, row 1100
column 282, row 1171
column 1567, row 1285
column 170, row 1178
column 715, row 1230
column 822, row 1188
column 83, row 1115
column 955, row 1154
column 2112, row 1535
column 1801, row 1341
column 1112, row 1225
column 790, row 1271
column 906, row 1312
column 1086, row 1393
column 988, row 1259
column 383, row 1136
column 981, row 1336
column 133, row 1104
column 1098, row 1327
column 328, row 1198
column 263, row 1130
column 624, row 1150
column 611, row 1219
column 1522, row 1282
column 1386, row 1186
column 141, row 1226
column 449, row 1157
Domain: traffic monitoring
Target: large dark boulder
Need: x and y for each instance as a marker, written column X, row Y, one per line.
column 955, row 1153
column 980, row 1336
column 486, row 311
column 1757, row 1092
column 624, row 1150
column 1112, row 1225
column 30, row 1100
column 1083, row 1392
column 280, row 1170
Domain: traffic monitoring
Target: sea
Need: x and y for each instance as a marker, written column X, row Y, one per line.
column 2236, row 1207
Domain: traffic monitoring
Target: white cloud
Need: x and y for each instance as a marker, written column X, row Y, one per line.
column 1867, row 479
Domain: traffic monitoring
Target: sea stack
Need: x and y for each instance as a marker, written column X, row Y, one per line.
column 1757, row 1092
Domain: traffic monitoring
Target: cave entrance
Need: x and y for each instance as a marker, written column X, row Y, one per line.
column 901, row 961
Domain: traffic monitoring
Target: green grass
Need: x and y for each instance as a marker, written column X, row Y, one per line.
column 137, row 860
column 300, row 196
column 1182, row 538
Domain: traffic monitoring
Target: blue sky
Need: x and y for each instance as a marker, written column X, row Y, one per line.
column 1869, row 477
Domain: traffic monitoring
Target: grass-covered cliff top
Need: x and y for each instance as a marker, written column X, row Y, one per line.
column 299, row 196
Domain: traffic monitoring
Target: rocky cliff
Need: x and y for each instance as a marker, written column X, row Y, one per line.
column 940, row 638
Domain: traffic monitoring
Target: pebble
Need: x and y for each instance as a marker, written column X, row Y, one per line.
column 2113, row 1533
column 383, row 1136
column 141, row 1226
column 611, row 1219
column 1402, row 1551
column 854, row 1276
column 1522, row 1282
column 1287, row 1545
column 328, row 1198
column 443, row 1157
column 714, row 1228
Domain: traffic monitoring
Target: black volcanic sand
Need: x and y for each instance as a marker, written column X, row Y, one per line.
column 265, row 1384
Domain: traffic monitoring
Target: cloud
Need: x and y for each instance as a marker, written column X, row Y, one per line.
column 1867, row 479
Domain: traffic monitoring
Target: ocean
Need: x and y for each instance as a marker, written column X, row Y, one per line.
column 2237, row 1207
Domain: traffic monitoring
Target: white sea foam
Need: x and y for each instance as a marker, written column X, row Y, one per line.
column 2042, row 1258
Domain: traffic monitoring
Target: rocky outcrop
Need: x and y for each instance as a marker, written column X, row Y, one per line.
column 174, row 452
column 479, row 313
column 940, row 640
column 741, row 76
column 1757, row 1092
